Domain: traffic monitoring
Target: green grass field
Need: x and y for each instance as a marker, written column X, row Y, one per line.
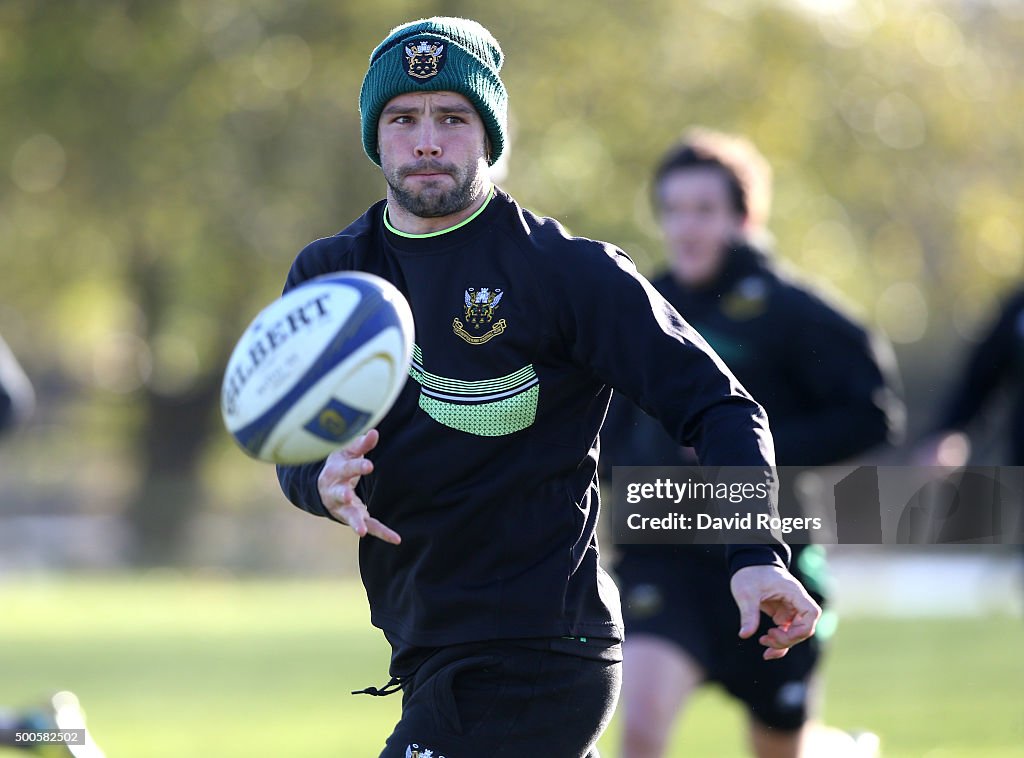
column 184, row 667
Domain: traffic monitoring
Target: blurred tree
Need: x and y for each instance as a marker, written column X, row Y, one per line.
column 173, row 163
column 162, row 162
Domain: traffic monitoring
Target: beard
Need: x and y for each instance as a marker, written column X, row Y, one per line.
column 435, row 199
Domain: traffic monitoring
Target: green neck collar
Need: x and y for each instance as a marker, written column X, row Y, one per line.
column 477, row 212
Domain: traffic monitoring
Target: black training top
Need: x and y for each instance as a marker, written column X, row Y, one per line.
column 16, row 395
column 486, row 465
column 829, row 385
column 997, row 361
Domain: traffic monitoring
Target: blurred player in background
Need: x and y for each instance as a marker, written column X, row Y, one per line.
column 826, row 385
column 62, row 711
column 996, row 362
column 480, row 562
column 60, row 714
column 17, row 399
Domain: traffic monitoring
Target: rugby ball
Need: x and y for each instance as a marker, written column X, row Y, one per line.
column 318, row 367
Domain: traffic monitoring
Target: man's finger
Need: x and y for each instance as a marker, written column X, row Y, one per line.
column 379, row 530
column 774, row 648
column 351, row 469
column 774, row 639
column 782, row 637
column 784, row 615
column 803, row 624
column 356, row 519
column 750, row 615
column 340, row 495
column 363, row 444
column 352, row 515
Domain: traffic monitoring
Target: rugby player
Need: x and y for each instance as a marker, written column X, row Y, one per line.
column 828, row 386
column 476, row 497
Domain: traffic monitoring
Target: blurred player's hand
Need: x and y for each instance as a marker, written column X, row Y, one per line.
column 946, row 449
column 777, row 593
column 337, row 486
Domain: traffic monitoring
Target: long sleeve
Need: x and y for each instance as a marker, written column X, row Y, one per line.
column 631, row 338
column 299, row 483
column 986, row 368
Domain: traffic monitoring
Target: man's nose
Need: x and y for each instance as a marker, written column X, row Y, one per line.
column 427, row 143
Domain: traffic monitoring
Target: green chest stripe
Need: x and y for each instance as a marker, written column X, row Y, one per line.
column 442, row 384
column 486, row 408
column 493, row 419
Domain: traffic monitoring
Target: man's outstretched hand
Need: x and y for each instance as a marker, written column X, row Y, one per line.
column 776, row 592
column 337, row 486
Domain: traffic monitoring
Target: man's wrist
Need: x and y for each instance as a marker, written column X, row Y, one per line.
column 742, row 556
column 318, row 503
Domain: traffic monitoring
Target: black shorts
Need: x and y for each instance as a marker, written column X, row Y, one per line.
column 682, row 594
column 505, row 700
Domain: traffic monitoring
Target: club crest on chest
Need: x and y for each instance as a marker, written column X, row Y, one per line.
column 479, row 306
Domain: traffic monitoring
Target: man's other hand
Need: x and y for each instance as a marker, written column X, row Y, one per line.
column 777, row 593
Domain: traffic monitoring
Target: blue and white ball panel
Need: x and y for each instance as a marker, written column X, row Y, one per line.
column 278, row 348
column 335, row 419
column 349, row 399
column 318, row 367
column 344, row 335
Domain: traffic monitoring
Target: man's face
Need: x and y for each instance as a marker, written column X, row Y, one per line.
column 699, row 221
column 433, row 150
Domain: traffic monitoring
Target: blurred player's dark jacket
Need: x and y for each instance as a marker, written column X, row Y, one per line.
column 17, row 398
column 6, row 410
column 828, row 385
column 996, row 361
column 486, row 464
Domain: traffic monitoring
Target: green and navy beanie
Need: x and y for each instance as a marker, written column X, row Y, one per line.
column 435, row 55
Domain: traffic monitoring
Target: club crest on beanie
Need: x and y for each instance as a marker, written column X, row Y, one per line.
column 439, row 54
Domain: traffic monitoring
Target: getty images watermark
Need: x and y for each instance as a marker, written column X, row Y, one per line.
column 880, row 505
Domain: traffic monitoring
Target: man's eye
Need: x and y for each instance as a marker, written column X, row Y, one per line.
column 453, row 120
column 402, row 120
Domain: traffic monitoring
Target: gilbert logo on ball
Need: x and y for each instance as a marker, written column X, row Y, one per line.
column 318, row 367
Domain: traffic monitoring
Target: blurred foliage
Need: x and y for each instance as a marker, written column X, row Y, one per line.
column 162, row 162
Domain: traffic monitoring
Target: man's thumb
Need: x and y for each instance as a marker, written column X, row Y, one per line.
column 750, row 615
